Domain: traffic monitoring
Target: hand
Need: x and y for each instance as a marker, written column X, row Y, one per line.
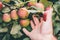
column 41, row 30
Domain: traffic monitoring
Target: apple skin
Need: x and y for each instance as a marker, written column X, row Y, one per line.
column 14, row 15
column 1, row 5
column 23, row 13
column 6, row 17
column 25, row 22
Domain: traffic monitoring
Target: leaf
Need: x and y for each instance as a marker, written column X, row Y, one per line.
column 0, row 17
column 35, row 1
column 38, row 9
column 6, row 37
column 26, row 38
column 57, row 18
column 18, row 35
column 7, row 1
column 57, row 28
column 54, row 16
column 29, row 28
column 43, row 1
column 56, row 7
column 6, row 10
column 15, row 29
column 3, row 30
column 53, row 1
column 46, row 3
column 4, row 24
column 58, row 38
column 24, row 0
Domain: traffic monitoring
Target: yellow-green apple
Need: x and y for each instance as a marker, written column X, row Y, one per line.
column 6, row 17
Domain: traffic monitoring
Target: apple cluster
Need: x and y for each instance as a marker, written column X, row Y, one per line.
column 22, row 13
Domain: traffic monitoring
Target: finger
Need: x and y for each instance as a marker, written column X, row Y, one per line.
column 54, row 38
column 26, row 32
column 36, row 21
column 32, row 24
column 49, row 14
column 41, row 23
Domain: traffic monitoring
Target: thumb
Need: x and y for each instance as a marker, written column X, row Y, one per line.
column 26, row 32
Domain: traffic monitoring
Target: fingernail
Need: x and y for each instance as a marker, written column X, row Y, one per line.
column 23, row 28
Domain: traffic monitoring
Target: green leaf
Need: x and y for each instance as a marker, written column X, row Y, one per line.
column 56, row 7
column 0, row 19
column 6, row 10
column 17, row 35
column 6, row 37
column 57, row 28
column 46, row 3
column 15, row 29
column 4, row 24
column 57, row 18
column 35, row 1
column 54, row 16
column 3, row 30
column 43, row 1
column 26, row 38
column 29, row 28
column 58, row 38
column 37, row 9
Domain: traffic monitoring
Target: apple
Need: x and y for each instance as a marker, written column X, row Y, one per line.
column 1, row 5
column 14, row 15
column 24, row 23
column 6, row 17
column 23, row 13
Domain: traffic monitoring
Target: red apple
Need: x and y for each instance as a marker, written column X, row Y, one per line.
column 1, row 5
column 23, row 13
column 24, row 23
